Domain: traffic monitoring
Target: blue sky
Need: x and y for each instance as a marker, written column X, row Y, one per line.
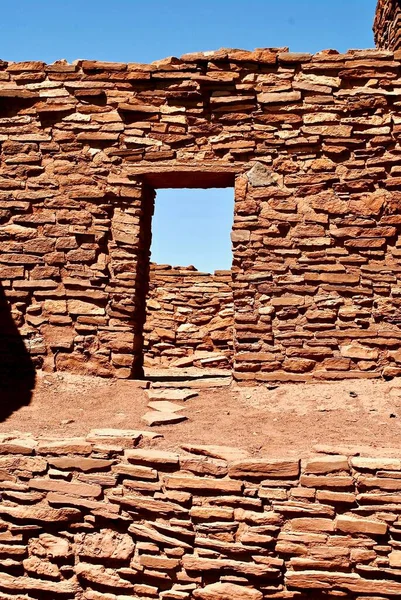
column 147, row 30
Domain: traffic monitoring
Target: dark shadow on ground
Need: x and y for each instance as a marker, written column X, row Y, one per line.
column 17, row 372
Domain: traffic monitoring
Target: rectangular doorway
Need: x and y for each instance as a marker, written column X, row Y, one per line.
column 189, row 305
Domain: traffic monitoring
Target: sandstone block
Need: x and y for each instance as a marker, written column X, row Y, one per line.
column 86, row 490
column 227, row 591
column 264, row 468
column 107, row 544
column 81, row 464
column 149, row 533
column 80, row 307
column 33, row 584
column 359, row 352
column 67, row 446
column 39, row 514
column 311, row 524
column 395, row 558
column 349, row 581
column 326, row 464
column 375, row 464
column 49, row 546
column 279, row 97
column 327, row 481
column 100, row 575
column 158, row 458
column 203, row 484
column 136, row 471
column 157, row 417
column 354, row 525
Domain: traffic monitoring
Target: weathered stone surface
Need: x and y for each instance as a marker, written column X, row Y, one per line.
column 349, row 581
column 375, row 464
column 73, row 446
column 149, row 533
column 106, row 544
column 41, row 567
column 49, row 546
column 27, row 584
column 81, row 464
column 97, row 574
column 354, row 525
column 264, row 468
column 385, row 28
column 171, row 395
column 177, row 482
column 66, row 487
column 359, row 352
column 31, row 464
column 41, row 513
column 152, row 457
column 327, row 464
column 227, row 591
column 395, row 558
column 157, row 417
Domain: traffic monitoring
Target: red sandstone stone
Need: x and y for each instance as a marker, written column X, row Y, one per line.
column 66, row 487
column 327, row 464
column 227, row 591
column 353, row 525
column 264, row 468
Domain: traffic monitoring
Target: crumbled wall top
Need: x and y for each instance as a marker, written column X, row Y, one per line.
column 387, row 24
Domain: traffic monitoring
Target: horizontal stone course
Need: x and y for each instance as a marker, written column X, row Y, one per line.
column 91, row 531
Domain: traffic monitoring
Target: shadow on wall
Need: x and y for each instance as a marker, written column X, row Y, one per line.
column 17, row 372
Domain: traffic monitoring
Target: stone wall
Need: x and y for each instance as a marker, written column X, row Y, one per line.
column 311, row 144
column 107, row 517
column 189, row 318
column 387, row 25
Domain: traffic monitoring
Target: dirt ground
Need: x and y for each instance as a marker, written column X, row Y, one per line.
column 287, row 421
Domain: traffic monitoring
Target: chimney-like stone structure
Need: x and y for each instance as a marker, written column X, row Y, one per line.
column 387, row 25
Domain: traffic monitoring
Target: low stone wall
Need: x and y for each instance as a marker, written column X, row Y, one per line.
column 106, row 518
column 190, row 318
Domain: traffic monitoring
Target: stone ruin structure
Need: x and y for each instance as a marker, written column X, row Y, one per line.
column 310, row 145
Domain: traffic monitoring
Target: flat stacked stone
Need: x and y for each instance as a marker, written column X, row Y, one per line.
column 104, row 519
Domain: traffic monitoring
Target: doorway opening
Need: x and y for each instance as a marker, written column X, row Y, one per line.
column 189, row 306
column 193, row 227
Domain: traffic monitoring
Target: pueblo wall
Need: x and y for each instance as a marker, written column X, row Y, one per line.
column 103, row 518
column 387, row 25
column 311, row 144
column 189, row 318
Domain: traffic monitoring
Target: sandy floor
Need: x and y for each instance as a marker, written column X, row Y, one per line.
column 289, row 420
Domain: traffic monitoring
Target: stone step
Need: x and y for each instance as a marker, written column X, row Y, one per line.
column 190, row 374
column 155, row 417
column 173, row 395
column 212, row 382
